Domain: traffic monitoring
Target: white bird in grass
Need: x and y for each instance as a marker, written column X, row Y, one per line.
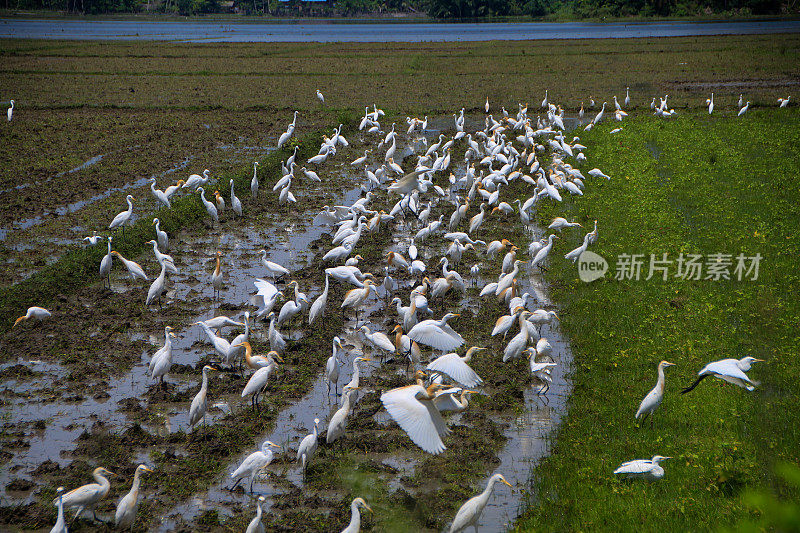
column 318, row 307
column 128, row 505
column 88, row 496
column 783, row 102
column 35, row 312
column 197, row 411
column 61, row 524
column 355, row 379
column 730, row 370
column 647, row 469
column 470, row 512
column 164, row 260
column 10, row 112
column 254, row 182
column 253, row 464
column 355, row 298
column 122, row 218
column 519, row 342
column 195, row 180
column 338, row 422
column 157, row 288
column 560, row 223
column 236, row 204
column 437, row 334
column 653, row 399
column 320, row 97
column 378, row 339
column 161, row 236
column 93, row 240
column 355, row 515
column 257, row 383
column 332, row 366
column 307, row 448
column 161, row 362
column 255, row 525
column 211, row 209
column 413, row 410
column 743, row 110
column 457, row 368
column 544, row 251
column 134, row 268
column 160, row 196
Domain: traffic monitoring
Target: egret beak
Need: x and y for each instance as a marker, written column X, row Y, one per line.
column 17, row 321
column 147, row 469
column 366, row 359
column 507, row 483
column 110, row 473
column 670, row 364
column 368, row 508
column 278, row 357
column 759, row 360
column 172, row 335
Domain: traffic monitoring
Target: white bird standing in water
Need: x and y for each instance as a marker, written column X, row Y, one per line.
column 197, row 411
column 255, row 525
column 253, row 464
column 647, row 469
column 653, row 399
column 236, row 204
column 355, row 515
column 308, row 448
column 470, row 512
column 161, row 236
column 211, row 209
column 127, row 506
column 332, row 366
column 338, row 422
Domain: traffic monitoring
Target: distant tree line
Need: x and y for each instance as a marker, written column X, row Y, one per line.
column 442, row 9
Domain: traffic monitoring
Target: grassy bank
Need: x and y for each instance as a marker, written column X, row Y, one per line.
column 699, row 185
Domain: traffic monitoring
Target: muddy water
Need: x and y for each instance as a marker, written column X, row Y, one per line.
column 288, row 244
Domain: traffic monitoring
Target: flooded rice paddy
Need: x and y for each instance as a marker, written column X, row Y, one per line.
column 51, row 417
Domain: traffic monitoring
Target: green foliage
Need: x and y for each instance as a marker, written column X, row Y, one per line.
column 775, row 514
column 668, row 194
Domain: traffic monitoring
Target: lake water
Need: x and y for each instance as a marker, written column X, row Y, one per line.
column 329, row 31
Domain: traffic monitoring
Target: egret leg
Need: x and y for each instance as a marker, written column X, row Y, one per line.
column 236, row 484
column 251, row 483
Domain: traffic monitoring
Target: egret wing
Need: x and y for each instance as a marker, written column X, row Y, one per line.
column 455, row 368
column 727, row 368
column 445, row 400
column 257, row 381
column 432, row 335
column 265, row 289
column 640, row 466
column 420, row 420
column 81, row 495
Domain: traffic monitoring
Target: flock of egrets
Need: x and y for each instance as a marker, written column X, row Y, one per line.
column 463, row 176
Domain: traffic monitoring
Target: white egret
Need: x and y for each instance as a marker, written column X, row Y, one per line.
column 276, row 340
column 255, row 525
column 355, row 378
column 257, row 383
column 540, row 369
column 338, row 422
column 559, row 223
column 457, row 368
column 164, row 260
column 519, row 342
column 378, row 339
column 437, row 333
column 320, row 97
column 355, row 298
column 35, row 312
column 318, row 307
column 504, row 324
column 93, row 240
column 157, row 288
column 211, row 209
column 128, row 505
column 653, row 399
column 307, row 448
column 743, row 110
column 266, row 297
column 332, row 366
column 122, row 218
column 161, row 362
column 292, row 307
column 647, row 469
column 470, row 512
column 274, row 270
column 197, row 411
column 453, row 399
column 88, row 496
column 253, row 464
column 236, row 204
column 783, row 102
column 495, row 247
column 216, row 276
column 627, row 96
column 545, row 250
column 507, row 279
column 10, row 112
column 355, row 515
column 160, row 196
column 195, row 180
column 413, row 410
column 221, row 345
column 221, row 321
column 254, row 181
column 134, row 268
column 61, row 524
column 161, row 236
column 730, row 370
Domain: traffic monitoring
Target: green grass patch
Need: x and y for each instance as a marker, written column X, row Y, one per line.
column 699, row 185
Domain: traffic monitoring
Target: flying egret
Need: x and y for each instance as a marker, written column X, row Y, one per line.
column 35, row 312
column 413, row 410
column 255, row 525
column 253, row 464
column 197, row 411
column 122, row 218
column 470, row 512
column 307, row 448
column 457, row 368
column 653, row 399
column 61, row 524
column 88, row 496
column 647, row 469
column 437, row 333
column 355, row 515
column 128, row 505
column 730, row 370
column 453, row 399
column 93, row 240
